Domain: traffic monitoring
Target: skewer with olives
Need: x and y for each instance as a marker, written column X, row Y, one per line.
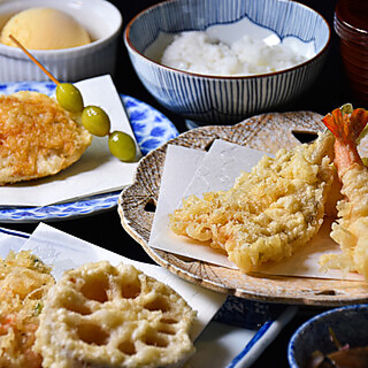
column 96, row 121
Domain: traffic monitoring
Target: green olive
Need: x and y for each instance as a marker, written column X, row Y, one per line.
column 122, row 146
column 69, row 97
column 96, row 121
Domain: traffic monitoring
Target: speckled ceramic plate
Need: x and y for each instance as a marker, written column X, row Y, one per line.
column 266, row 132
column 151, row 129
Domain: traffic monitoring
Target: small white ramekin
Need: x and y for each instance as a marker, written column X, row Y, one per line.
column 101, row 19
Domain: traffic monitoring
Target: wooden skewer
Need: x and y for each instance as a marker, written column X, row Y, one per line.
column 34, row 59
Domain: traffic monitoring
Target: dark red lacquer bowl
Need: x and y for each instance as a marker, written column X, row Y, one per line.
column 351, row 24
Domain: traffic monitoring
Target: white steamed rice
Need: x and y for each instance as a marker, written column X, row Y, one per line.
column 198, row 52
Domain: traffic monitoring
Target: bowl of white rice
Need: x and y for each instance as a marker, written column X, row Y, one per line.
column 220, row 61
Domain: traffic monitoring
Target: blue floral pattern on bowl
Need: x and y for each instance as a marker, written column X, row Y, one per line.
column 151, row 129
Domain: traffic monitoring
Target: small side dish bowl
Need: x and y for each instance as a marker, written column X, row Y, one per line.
column 223, row 99
column 101, row 19
column 349, row 325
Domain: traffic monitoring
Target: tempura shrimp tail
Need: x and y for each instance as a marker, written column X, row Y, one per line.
column 346, row 128
column 351, row 229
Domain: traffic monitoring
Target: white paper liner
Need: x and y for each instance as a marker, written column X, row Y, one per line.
column 64, row 251
column 96, row 172
column 216, row 170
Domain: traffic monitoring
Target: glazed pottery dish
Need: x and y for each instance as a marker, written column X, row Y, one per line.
column 221, row 61
column 335, row 335
column 264, row 132
column 93, row 56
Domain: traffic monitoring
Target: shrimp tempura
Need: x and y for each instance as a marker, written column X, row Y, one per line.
column 270, row 212
column 351, row 230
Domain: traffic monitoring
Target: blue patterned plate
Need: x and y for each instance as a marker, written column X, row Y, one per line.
column 151, row 129
column 239, row 333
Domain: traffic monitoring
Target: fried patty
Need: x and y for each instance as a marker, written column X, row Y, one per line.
column 269, row 212
column 99, row 315
column 38, row 138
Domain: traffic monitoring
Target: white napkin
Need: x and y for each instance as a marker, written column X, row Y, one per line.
column 214, row 171
column 9, row 242
column 197, row 173
column 96, row 172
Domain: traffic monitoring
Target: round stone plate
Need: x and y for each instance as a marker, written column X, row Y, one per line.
column 267, row 132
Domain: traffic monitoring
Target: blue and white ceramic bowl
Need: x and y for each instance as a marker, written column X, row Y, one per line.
column 223, row 99
column 349, row 324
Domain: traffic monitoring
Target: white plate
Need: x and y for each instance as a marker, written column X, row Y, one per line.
column 239, row 332
column 151, row 129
